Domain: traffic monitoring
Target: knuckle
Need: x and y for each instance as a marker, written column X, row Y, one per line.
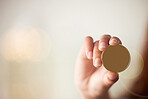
column 105, row 36
column 96, row 43
column 88, row 38
column 114, row 37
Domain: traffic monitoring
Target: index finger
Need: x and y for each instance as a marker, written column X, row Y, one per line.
column 104, row 42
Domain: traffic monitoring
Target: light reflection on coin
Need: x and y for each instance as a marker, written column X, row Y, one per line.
column 116, row 58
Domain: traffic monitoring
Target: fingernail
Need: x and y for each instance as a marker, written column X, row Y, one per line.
column 114, row 41
column 112, row 76
column 97, row 62
column 102, row 45
column 90, row 55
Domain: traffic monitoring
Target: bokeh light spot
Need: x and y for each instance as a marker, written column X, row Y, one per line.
column 136, row 66
column 27, row 44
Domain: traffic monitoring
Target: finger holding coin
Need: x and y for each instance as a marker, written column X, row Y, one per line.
column 114, row 41
column 115, row 57
column 104, row 42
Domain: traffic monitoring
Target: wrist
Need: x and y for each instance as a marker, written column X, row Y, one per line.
column 104, row 96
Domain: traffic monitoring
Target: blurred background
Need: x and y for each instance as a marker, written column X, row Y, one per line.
column 40, row 40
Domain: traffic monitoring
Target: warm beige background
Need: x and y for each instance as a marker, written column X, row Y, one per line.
column 67, row 22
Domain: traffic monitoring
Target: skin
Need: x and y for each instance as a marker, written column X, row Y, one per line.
column 91, row 77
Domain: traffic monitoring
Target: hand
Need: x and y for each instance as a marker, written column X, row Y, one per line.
column 91, row 77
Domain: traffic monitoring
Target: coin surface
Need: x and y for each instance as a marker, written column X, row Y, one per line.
column 115, row 58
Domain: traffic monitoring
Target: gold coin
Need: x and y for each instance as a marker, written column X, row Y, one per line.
column 115, row 58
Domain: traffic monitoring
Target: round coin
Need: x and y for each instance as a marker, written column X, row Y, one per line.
column 115, row 58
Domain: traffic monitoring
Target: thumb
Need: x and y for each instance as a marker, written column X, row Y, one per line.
column 110, row 78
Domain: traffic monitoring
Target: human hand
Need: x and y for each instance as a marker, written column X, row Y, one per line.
column 91, row 77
